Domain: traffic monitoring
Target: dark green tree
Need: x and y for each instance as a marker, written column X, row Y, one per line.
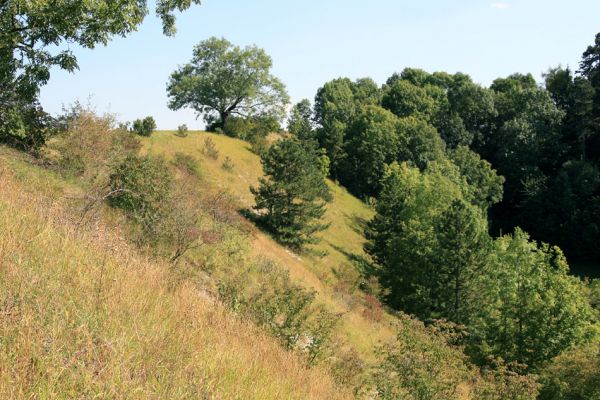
column 337, row 103
column 290, row 199
column 223, row 80
column 372, row 144
column 144, row 127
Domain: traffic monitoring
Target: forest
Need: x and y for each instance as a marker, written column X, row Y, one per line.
column 477, row 240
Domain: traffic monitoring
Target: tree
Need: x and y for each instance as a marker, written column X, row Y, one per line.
column 223, row 80
column 300, row 123
column 144, row 127
column 529, row 309
column 485, row 183
column 337, row 103
column 408, row 238
column 290, row 199
column 33, row 38
column 372, row 145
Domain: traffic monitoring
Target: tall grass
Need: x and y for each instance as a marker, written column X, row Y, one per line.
column 84, row 315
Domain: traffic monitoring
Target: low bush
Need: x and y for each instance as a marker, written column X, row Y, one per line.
column 186, row 164
column 141, row 186
column 210, row 149
column 144, row 127
column 228, row 164
column 182, row 130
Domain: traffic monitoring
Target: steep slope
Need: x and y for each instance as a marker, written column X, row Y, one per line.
column 83, row 314
column 341, row 244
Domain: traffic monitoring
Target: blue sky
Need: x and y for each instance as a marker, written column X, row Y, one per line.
column 313, row 41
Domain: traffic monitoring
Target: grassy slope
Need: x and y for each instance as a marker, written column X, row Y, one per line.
column 341, row 241
column 82, row 314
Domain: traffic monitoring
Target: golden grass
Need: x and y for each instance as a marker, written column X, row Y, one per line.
column 84, row 315
column 340, row 242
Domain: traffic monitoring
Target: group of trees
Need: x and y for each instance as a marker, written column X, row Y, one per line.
column 542, row 142
column 450, row 165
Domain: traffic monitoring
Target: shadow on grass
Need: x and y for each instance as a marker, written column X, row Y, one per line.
column 255, row 219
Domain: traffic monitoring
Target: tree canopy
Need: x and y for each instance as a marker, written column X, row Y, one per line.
column 223, row 80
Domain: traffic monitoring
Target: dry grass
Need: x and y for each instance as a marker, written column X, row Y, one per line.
column 340, row 243
column 84, row 315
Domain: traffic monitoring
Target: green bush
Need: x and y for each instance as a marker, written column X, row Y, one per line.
column 144, row 127
column 141, row 185
column 182, row 130
column 209, row 149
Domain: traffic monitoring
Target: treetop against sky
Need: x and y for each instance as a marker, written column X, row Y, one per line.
column 314, row 41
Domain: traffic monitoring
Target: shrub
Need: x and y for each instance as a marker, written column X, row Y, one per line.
column 209, row 149
column 186, row 164
column 144, row 127
column 89, row 147
column 228, row 164
column 141, row 185
column 182, row 130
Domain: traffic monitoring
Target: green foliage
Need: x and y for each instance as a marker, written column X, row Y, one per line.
column 530, row 309
column 285, row 309
column 144, row 127
column 419, row 143
column 182, row 130
column 186, row 164
column 140, row 185
column 408, row 100
column 33, row 39
column 223, row 80
column 300, row 122
column 336, row 105
column 574, row 375
column 251, row 128
column 419, row 365
column 429, row 242
column 485, row 183
column 372, row 143
column 290, row 199
column 210, row 149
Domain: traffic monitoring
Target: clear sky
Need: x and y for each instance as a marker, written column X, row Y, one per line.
column 313, row 41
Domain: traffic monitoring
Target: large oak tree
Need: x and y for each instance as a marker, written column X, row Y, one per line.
column 223, row 80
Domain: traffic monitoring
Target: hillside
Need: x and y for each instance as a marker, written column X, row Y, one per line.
column 341, row 244
column 83, row 314
column 107, row 316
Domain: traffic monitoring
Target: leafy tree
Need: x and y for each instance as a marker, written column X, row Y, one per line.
column 530, row 309
column 408, row 100
column 408, row 238
column 33, row 35
column 144, row 127
column 373, row 144
column 300, row 123
column 223, row 80
column 485, row 183
column 419, row 142
column 291, row 198
column 336, row 105
column 573, row 375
